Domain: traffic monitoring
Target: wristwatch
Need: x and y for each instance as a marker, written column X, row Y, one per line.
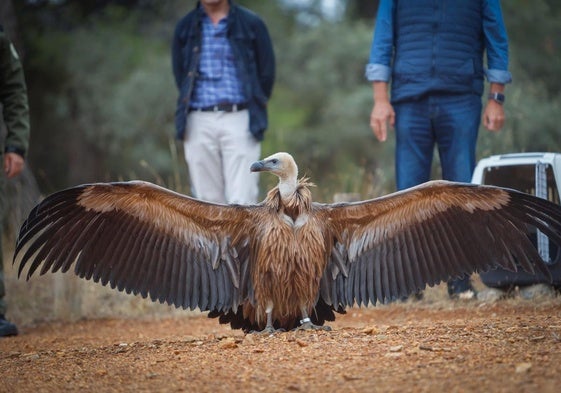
column 498, row 97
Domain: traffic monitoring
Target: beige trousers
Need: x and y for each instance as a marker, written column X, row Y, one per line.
column 219, row 149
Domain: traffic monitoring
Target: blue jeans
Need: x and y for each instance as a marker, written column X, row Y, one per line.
column 449, row 122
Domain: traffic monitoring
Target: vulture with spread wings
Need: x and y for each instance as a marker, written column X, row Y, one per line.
column 286, row 262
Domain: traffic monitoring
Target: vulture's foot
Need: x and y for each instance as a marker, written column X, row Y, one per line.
column 306, row 324
column 268, row 330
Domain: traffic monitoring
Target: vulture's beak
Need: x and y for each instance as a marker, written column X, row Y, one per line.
column 258, row 166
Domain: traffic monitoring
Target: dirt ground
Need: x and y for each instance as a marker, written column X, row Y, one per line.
column 511, row 345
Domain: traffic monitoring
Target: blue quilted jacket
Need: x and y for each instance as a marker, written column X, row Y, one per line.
column 438, row 46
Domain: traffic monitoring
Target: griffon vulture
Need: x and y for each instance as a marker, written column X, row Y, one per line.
column 286, row 262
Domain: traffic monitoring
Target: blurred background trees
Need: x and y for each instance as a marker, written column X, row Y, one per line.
column 103, row 99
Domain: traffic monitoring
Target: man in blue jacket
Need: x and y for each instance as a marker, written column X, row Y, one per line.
column 432, row 51
column 224, row 68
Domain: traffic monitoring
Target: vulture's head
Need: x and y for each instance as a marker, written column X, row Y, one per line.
column 280, row 164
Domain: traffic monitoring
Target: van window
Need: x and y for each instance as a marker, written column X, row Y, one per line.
column 522, row 178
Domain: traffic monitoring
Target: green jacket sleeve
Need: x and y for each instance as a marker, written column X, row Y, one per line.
column 13, row 96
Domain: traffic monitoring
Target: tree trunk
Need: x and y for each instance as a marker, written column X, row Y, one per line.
column 9, row 22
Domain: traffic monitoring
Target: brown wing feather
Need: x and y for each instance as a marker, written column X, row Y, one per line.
column 143, row 239
column 390, row 247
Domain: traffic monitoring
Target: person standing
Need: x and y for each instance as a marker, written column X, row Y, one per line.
column 433, row 53
column 15, row 111
column 224, row 68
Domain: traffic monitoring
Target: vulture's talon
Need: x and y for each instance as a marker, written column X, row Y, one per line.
column 268, row 330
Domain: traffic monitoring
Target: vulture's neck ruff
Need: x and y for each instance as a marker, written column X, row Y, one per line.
column 291, row 196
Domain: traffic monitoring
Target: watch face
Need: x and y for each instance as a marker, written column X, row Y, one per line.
column 499, row 97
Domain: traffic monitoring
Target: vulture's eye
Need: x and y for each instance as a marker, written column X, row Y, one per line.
column 275, row 161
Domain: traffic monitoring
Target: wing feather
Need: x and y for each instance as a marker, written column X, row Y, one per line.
column 325, row 287
column 196, row 287
column 185, row 280
column 378, row 261
column 52, row 245
column 213, row 286
column 441, row 253
column 164, row 276
column 432, row 233
column 334, row 289
column 146, row 256
column 348, row 289
column 131, row 263
column 357, row 276
column 173, row 277
column 454, row 240
column 117, row 249
column 393, row 291
column 401, row 281
column 369, row 282
column 32, row 251
column 411, row 274
column 204, row 285
column 363, row 286
column 222, row 291
column 421, row 268
column 437, row 252
column 340, row 288
column 143, row 239
column 424, row 255
column 33, row 225
column 245, row 279
column 160, row 281
column 107, row 238
column 176, row 294
column 385, row 272
column 121, row 252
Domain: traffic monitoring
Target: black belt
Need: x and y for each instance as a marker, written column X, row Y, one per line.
column 221, row 108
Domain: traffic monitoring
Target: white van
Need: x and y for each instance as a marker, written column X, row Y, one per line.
column 534, row 173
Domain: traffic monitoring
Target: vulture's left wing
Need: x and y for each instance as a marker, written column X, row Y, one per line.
column 143, row 239
column 390, row 247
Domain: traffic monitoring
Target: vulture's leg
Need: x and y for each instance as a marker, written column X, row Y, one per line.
column 269, row 328
column 306, row 323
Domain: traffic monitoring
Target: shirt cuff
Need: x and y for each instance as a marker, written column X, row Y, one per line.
column 498, row 76
column 13, row 149
column 378, row 72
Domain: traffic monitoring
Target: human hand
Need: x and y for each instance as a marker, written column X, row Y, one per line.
column 13, row 164
column 382, row 114
column 493, row 116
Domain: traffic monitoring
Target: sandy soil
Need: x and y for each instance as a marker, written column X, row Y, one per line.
column 512, row 345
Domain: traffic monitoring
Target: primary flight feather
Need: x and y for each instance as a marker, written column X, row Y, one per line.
column 286, row 262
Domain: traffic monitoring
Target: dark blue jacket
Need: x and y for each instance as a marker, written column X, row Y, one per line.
column 437, row 46
column 254, row 57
